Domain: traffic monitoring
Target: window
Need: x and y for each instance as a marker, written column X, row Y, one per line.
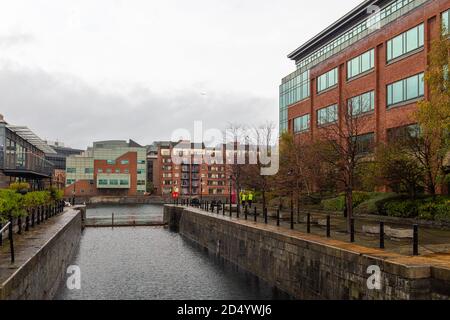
column 141, row 162
column 141, row 183
column 124, row 162
column 88, row 170
column 364, row 143
column 117, row 170
column 327, row 115
column 102, row 182
column 100, row 170
column 361, row 64
column 112, row 162
column 327, row 80
column 294, row 89
column 123, row 182
column 445, row 19
column 108, row 171
column 406, row 89
column 301, row 123
column 126, row 171
column 114, row 182
column 71, row 170
column 140, row 171
column 362, row 103
column 70, row 181
column 406, row 42
column 403, row 134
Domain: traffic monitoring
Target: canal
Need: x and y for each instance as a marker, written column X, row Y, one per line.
column 154, row 263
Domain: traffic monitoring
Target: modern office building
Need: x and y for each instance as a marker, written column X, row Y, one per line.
column 108, row 168
column 62, row 152
column 58, row 160
column 22, row 157
column 188, row 177
column 372, row 60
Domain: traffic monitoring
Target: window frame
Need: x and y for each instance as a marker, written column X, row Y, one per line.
column 402, row 38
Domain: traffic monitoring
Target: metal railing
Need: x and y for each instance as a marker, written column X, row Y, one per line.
column 35, row 217
column 28, row 162
column 324, row 229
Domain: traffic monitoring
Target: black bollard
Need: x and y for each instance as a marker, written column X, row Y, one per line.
column 292, row 218
column 416, row 240
column 381, row 235
column 352, row 230
column 27, row 223
column 32, row 218
column 308, row 223
column 238, row 209
column 265, row 216
column 278, row 217
column 19, row 225
column 223, row 209
column 246, row 212
column 255, row 214
column 218, row 208
column 328, row 226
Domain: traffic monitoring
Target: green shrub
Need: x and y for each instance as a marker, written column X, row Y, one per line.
column 371, row 206
column 334, row 204
column 402, row 209
column 338, row 203
column 20, row 187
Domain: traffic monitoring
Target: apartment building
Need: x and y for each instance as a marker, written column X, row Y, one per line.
column 186, row 176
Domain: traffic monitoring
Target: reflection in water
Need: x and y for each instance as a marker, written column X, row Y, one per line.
column 153, row 263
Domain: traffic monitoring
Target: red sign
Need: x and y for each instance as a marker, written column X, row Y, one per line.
column 175, row 195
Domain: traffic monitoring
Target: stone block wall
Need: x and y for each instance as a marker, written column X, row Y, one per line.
column 311, row 267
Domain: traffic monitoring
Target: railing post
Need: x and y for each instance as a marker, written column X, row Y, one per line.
column 328, row 226
column 352, row 230
column 1, row 235
column 19, row 225
column 292, row 218
column 278, row 217
column 11, row 239
column 38, row 216
column 266, row 216
column 308, row 223
column 381, row 235
column 415, row 240
column 27, row 223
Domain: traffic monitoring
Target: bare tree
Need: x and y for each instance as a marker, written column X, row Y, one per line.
column 342, row 147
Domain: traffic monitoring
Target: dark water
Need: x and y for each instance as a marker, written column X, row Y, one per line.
column 154, row 263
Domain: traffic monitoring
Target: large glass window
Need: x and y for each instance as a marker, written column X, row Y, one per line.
column 327, row 80
column 301, row 123
column 361, row 64
column 327, row 115
column 405, row 43
column 406, row 89
column 71, row 170
column 362, row 103
column 102, row 182
column 88, row 170
column 445, row 20
column 292, row 91
column 114, row 182
column 364, row 143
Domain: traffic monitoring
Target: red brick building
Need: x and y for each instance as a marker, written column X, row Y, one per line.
column 188, row 178
column 374, row 57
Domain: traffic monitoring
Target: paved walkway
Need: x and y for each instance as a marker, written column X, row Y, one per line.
column 431, row 240
column 29, row 243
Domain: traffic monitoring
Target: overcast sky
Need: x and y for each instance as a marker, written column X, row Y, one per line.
column 85, row 70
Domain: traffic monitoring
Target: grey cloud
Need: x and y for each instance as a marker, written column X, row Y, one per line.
column 62, row 107
column 16, row 39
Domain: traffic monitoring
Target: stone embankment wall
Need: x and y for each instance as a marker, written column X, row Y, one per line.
column 311, row 267
column 42, row 259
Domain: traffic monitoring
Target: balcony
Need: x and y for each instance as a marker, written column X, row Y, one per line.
column 27, row 165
